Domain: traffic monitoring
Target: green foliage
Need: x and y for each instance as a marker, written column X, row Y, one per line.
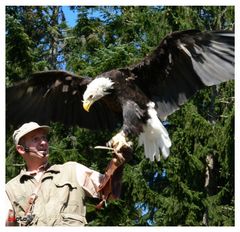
column 18, row 44
column 34, row 40
column 172, row 192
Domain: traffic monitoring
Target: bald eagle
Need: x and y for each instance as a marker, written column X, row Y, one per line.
column 136, row 98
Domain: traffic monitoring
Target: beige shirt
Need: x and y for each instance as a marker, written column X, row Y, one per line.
column 87, row 178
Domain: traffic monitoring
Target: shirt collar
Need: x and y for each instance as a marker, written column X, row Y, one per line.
column 42, row 168
column 49, row 170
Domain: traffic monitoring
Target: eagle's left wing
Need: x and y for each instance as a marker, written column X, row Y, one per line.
column 183, row 63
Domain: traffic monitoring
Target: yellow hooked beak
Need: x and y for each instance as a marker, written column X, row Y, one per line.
column 87, row 105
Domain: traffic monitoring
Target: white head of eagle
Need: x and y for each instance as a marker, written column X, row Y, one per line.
column 96, row 89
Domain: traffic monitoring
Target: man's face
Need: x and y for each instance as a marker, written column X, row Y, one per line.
column 37, row 143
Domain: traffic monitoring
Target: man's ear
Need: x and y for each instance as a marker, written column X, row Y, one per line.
column 20, row 149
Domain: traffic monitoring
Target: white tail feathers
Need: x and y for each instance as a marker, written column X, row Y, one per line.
column 154, row 136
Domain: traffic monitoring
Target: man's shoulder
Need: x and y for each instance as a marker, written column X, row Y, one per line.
column 65, row 173
column 14, row 180
column 69, row 167
column 60, row 166
column 68, row 164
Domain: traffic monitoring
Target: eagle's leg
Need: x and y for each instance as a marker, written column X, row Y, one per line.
column 118, row 141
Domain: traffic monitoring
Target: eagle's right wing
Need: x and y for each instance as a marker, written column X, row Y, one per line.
column 55, row 96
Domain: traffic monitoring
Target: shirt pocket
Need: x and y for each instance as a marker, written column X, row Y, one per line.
column 62, row 193
column 70, row 219
column 70, row 197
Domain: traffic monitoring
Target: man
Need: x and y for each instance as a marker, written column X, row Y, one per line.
column 45, row 194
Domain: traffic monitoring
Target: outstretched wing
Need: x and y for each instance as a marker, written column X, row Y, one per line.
column 55, row 96
column 183, row 63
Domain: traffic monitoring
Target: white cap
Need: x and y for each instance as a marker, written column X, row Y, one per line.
column 25, row 129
